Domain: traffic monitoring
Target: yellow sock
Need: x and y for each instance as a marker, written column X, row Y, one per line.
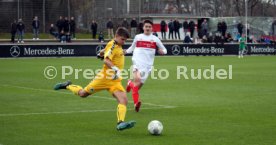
column 121, row 112
column 74, row 88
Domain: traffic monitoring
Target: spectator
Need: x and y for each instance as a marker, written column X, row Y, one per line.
column 62, row 37
column 101, row 37
column 140, row 27
column 66, row 29
column 35, row 25
column 192, row 28
column 274, row 28
column 219, row 27
column 229, row 38
column 248, row 29
column 218, row 39
column 125, row 23
column 163, row 26
column 171, row 29
column 73, row 28
column 240, row 28
column 59, row 24
column 13, row 31
column 210, row 38
column 109, row 26
column 185, row 27
column 204, row 27
column 20, row 31
column 66, row 25
column 94, row 27
column 133, row 25
column 204, row 39
column 223, row 28
column 188, row 38
column 176, row 28
column 53, row 31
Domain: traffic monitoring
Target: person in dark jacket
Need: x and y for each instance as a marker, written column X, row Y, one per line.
column 163, row 26
column 133, row 25
column 219, row 27
column 188, row 38
column 125, row 23
column 140, row 27
column 13, row 31
column 66, row 25
column 20, row 31
column 53, row 31
column 240, row 28
column 171, row 29
column 73, row 28
column 185, row 27
column 60, row 24
column 35, row 25
column 94, row 27
column 101, row 37
column 109, row 26
column 192, row 28
column 176, row 28
column 223, row 28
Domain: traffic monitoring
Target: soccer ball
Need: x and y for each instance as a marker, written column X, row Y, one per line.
column 155, row 127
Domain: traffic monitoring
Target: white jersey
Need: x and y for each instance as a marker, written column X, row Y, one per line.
column 144, row 49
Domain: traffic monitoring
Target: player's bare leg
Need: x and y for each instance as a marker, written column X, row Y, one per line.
column 121, row 111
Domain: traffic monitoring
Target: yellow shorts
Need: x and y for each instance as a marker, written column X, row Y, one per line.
column 103, row 84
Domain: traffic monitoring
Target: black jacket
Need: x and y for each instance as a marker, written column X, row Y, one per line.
column 20, row 26
column 66, row 25
column 125, row 24
column 35, row 24
column 94, row 27
column 171, row 26
column 163, row 26
column 176, row 25
column 185, row 25
column 224, row 26
column 109, row 25
column 72, row 26
column 13, row 27
column 192, row 25
column 60, row 24
column 133, row 24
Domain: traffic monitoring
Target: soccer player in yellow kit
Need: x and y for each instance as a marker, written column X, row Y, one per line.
column 109, row 78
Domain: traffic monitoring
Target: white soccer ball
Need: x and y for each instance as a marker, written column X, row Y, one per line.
column 155, row 127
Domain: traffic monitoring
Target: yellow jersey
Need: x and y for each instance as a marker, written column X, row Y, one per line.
column 115, row 54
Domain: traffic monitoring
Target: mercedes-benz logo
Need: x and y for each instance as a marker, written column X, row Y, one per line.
column 176, row 50
column 99, row 48
column 15, row 51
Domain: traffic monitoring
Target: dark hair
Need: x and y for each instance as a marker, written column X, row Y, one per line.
column 122, row 31
column 148, row 21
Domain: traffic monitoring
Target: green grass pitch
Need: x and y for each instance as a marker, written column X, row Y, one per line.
column 241, row 111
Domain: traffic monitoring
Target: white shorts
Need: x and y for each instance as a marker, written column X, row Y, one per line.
column 144, row 70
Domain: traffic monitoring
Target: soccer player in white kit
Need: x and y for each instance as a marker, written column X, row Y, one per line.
column 143, row 48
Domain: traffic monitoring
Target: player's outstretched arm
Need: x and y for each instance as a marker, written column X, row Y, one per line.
column 131, row 48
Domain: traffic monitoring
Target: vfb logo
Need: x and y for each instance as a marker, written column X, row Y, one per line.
column 15, row 51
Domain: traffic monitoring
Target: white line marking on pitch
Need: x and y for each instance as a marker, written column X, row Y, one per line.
column 69, row 112
column 106, row 98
